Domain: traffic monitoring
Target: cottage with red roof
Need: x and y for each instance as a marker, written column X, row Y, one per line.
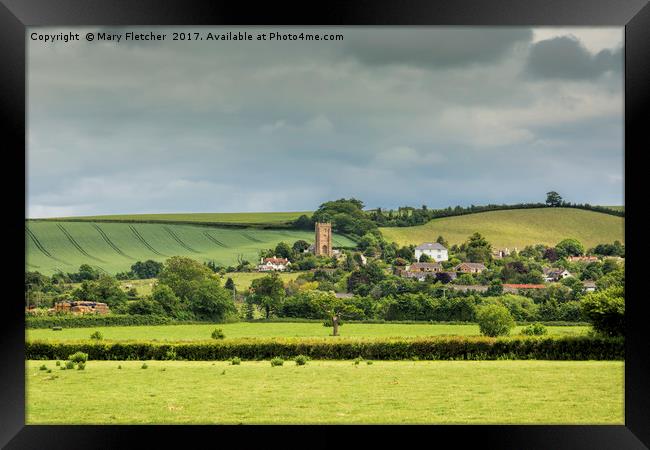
column 273, row 264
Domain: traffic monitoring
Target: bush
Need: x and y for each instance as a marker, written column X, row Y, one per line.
column 94, row 320
column 301, row 360
column 97, row 335
column 425, row 348
column 43, row 367
column 369, row 363
column 119, row 366
column 495, row 320
column 606, row 310
column 536, row 329
column 357, row 360
column 78, row 357
column 235, row 361
column 58, row 363
column 277, row 361
column 144, row 366
column 170, row 355
column 81, row 366
column 218, row 334
column 55, row 328
column 69, row 364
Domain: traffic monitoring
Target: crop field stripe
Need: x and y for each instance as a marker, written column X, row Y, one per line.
column 141, row 239
column 41, row 248
column 76, row 244
column 213, row 239
column 109, row 242
column 251, row 238
column 180, row 242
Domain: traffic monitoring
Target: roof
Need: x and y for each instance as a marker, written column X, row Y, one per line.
column 553, row 271
column 472, row 265
column 430, row 246
column 425, row 265
column 276, row 260
column 524, row 286
column 589, row 283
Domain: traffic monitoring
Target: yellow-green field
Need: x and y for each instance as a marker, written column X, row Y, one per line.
column 327, row 392
column 212, row 218
column 517, row 228
column 114, row 247
column 193, row 332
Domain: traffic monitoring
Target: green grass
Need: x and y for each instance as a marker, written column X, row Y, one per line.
column 114, row 247
column 213, row 218
column 275, row 329
column 328, row 392
column 517, row 228
column 244, row 279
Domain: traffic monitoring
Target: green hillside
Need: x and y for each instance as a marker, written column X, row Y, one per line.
column 247, row 218
column 114, row 247
column 517, row 228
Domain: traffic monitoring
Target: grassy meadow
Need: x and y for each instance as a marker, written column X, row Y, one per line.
column 327, row 392
column 192, row 332
column 114, row 247
column 517, row 228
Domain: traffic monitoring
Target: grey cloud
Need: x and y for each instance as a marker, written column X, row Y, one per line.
column 566, row 58
column 440, row 47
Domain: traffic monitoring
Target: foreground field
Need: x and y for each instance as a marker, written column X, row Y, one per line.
column 114, row 247
column 517, row 228
column 327, row 392
column 245, row 329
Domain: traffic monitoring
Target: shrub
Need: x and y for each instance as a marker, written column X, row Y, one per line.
column 97, row 335
column 369, row 363
column 277, row 361
column 536, row 329
column 119, row 366
column 43, row 367
column 81, row 366
column 78, row 357
column 494, row 320
column 144, row 366
column 170, row 355
column 357, row 360
column 235, row 361
column 58, row 363
column 56, row 328
column 425, row 348
column 69, row 364
column 218, row 334
column 301, row 360
column 606, row 310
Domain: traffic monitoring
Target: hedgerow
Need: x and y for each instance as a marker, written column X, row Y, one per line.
column 83, row 321
column 433, row 348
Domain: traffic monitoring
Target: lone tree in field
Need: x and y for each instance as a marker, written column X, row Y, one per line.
column 553, row 199
column 267, row 292
column 333, row 308
column 495, row 320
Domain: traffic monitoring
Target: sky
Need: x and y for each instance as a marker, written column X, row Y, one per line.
column 394, row 116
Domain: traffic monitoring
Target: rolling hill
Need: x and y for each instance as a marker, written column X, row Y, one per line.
column 114, row 247
column 517, row 228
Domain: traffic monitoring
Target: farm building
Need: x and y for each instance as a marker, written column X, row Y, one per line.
column 433, row 250
column 273, row 264
column 80, row 307
column 590, row 285
column 468, row 267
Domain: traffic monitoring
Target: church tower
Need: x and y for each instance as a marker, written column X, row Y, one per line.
column 323, row 245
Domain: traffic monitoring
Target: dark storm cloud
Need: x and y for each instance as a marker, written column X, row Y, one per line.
column 442, row 47
column 565, row 57
column 263, row 126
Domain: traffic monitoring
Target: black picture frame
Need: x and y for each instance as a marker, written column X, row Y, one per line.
column 15, row 15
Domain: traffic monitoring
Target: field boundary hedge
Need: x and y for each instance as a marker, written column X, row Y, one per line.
column 438, row 348
column 556, row 323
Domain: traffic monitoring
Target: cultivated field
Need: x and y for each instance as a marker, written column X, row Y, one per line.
column 114, row 247
column 517, row 228
column 330, row 392
column 275, row 329
column 249, row 218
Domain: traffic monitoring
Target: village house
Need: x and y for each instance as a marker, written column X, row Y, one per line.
column 424, row 267
column 552, row 275
column 433, row 250
column 582, row 259
column 468, row 267
column 590, row 285
column 273, row 264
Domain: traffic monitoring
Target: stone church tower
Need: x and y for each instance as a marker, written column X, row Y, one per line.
column 323, row 245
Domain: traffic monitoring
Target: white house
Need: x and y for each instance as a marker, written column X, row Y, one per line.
column 551, row 275
column 271, row 264
column 435, row 251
